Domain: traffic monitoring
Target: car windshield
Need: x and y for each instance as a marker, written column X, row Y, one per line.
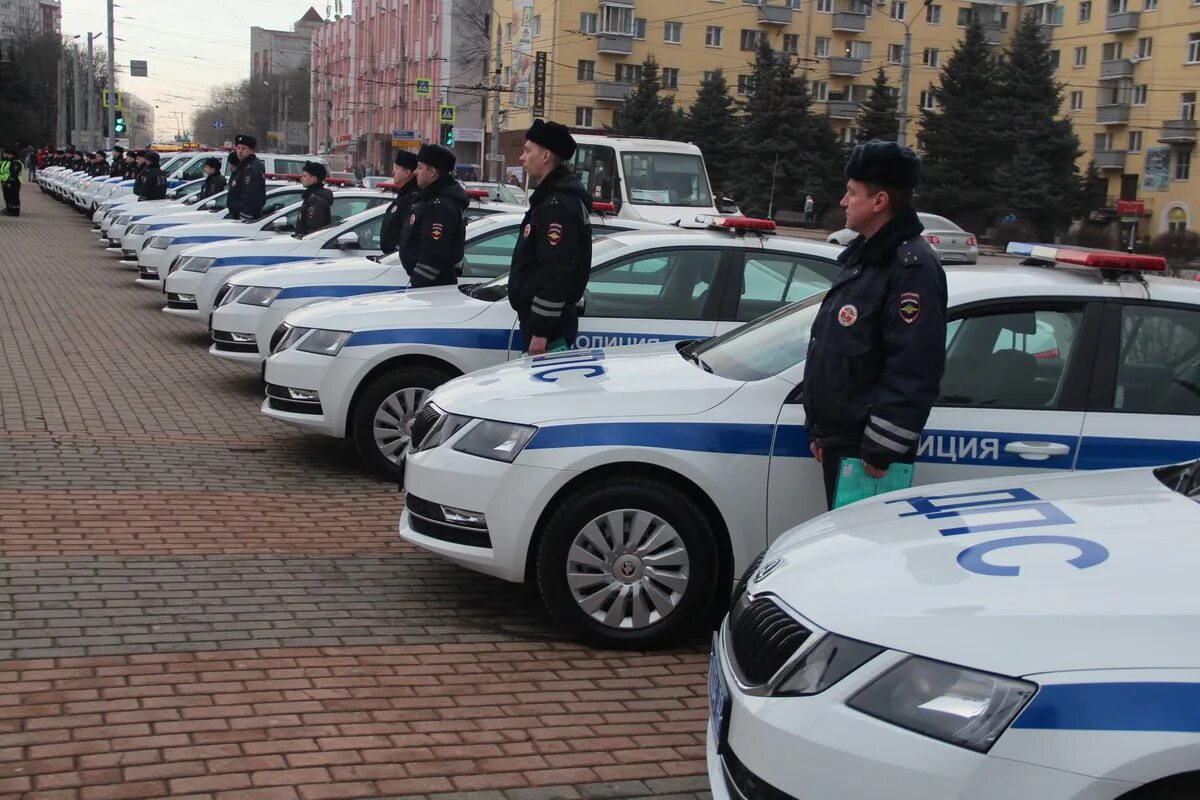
column 1182, row 478
column 170, row 166
column 762, row 348
column 666, row 179
column 933, row 222
column 494, row 291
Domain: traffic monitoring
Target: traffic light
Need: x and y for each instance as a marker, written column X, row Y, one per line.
column 118, row 124
column 448, row 135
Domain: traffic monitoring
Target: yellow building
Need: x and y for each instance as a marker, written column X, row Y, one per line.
column 1133, row 110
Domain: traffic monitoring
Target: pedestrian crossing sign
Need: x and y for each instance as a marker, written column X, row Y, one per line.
column 424, row 87
column 446, row 115
column 112, row 100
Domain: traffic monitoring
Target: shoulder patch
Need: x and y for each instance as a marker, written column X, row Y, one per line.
column 910, row 306
column 554, row 233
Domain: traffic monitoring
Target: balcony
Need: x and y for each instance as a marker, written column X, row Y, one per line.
column 612, row 91
column 1122, row 23
column 842, row 109
column 614, row 44
column 1110, row 159
column 617, row 3
column 993, row 34
column 774, row 15
column 1113, row 114
column 840, row 65
column 850, row 21
column 1178, row 131
column 1117, row 68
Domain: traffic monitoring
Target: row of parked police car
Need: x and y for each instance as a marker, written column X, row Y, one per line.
column 1022, row 622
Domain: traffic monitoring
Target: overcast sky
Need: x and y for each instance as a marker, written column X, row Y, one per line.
column 191, row 45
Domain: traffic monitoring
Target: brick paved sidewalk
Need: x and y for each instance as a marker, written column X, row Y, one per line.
column 198, row 602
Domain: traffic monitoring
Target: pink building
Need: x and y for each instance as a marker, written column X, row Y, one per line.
column 366, row 67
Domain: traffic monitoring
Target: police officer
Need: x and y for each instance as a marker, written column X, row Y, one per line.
column 878, row 344
column 553, row 257
column 248, row 183
column 431, row 245
column 132, row 166
column 117, row 168
column 99, row 165
column 397, row 214
column 152, row 183
column 316, row 209
column 214, row 181
column 10, row 180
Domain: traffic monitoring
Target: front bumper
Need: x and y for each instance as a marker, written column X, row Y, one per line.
column 262, row 321
column 227, row 345
column 334, row 379
column 180, row 289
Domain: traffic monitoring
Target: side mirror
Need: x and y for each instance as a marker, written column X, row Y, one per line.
column 348, row 241
column 582, row 305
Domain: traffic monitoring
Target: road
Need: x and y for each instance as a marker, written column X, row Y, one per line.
column 198, row 602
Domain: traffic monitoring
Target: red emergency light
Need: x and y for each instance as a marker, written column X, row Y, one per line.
column 477, row 194
column 741, row 224
column 1087, row 257
column 386, row 186
column 282, row 176
column 339, row 182
column 604, row 208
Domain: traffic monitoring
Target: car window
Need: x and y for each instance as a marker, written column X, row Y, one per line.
column 194, row 170
column 671, row 284
column 368, row 233
column 346, row 207
column 1009, row 358
column 279, row 202
column 1158, row 367
column 286, row 166
column 490, row 256
column 763, row 348
column 934, row 222
column 772, row 280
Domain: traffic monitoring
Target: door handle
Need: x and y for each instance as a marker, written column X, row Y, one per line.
column 1037, row 451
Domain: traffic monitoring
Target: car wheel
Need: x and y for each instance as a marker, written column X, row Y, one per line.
column 384, row 416
column 628, row 562
column 1178, row 787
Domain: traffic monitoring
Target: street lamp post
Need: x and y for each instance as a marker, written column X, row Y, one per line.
column 902, row 135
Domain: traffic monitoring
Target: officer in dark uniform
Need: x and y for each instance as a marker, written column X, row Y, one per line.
column 140, row 167
column 397, row 214
column 214, row 181
column 153, row 183
column 316, row 209
column 117, row 168
column 248, row 183
column 99, row 165
column 878, row 344
column 553, row 257
column 432, row 243
column 132, row 168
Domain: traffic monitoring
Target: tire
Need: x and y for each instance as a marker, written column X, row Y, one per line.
column 403, row 390
column 1178, row 787
column 577, row 536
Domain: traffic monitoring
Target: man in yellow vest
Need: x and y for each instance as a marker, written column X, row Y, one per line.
column 10, row 180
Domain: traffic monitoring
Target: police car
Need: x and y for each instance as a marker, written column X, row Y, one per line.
column 633, row 484
column 251, row 306
column 1013, row 637
column 361, row 367
column 194, row 279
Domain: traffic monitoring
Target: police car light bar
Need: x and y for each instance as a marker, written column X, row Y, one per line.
column 1085, row 257
column 477, row 194
column 386, row 185
column 741, row 223
column 339, row 181
column 604, row 208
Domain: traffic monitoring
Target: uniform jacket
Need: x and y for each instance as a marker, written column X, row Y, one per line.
column 878, row 346
column 247, row 189
column 98, row 169
column 316, row 209
column 553, row 257
column 10, row 171
column 151, row 183
column 396, row 217
column 117, row 168
column 431, row 245
column 213, row 184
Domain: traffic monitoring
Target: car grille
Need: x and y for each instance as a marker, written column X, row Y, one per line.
column 223, row 341
column 148, row 273
column 426, row 519
column 173, row 301
column 741, row 782
column 279, row 400
column 763, row 637
column 740, row 588
column 427, row 417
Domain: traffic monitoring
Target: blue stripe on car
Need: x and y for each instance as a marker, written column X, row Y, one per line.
column 158, row 226
column 703, row 437
column 471, row 338
column 291, row 292
column 256, row 261
column 1173, row 707
column 201, row 239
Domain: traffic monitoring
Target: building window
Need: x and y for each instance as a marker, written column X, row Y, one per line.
column 1080, row 56
column 825, row 6
column 965, row 17
column 639, row 28
column 743, row 84
column 673, row 32
column 1118, row 6
column 714, row 36
column 1176, row 220
column 1135, row 141
column 1183, row 164
column 1193, row 48
column 508, row 32
column 587, row 71
column 850, row 136
column 821, row 47
column 895, row 53
column 1055, row 58
column 709, row 76
column 1076, row 101
column 1047, row 14
column 1140, row 93
column 1145, row 47
column 927, row 101
column 791, row 43
column 929, row 57
column 750, row 39
column 1149, row 5
column 820, row 91
column 1085, row 10
column 583, row 117
column 537, row 25
column 1187, row 105
column 670, row 78
column 1102, row 141
column 933, row 14
column 859, row 50
column 588, row 22
column 616, row 19
column 899, row 9
column 1110, row 51
column 629, row 73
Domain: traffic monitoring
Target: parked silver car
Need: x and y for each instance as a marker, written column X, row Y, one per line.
column 952, row 244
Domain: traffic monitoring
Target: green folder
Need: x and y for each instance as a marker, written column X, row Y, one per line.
column 854, row 484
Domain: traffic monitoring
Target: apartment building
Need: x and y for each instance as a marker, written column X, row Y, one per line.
column 25, row 17
column 1130, row 67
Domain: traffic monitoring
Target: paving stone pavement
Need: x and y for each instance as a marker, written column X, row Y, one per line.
column 199, row 602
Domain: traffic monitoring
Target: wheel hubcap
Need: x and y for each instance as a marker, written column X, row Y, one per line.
column 394, row 420
column 628, row 569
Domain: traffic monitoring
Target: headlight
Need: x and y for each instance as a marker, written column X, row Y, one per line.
column 826, row 663
column 122, row 220
column 139, row 230
column 442, row 432
column 499, row 441
column 160, row 242
column 255, row 295
column 233, row 294
column 325, row 343
column 196, row 264
column 954, row 704
column 290, row 336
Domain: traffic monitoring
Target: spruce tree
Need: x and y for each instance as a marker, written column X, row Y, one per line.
column 1039, row 178
column 962, row 145
column 646, row 113
column 878, row 117
column 712, row 125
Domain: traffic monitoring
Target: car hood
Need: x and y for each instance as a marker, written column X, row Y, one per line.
column 324, row 272
column 1115, row 588
column 390, row 317
column 274, row 245
column 228, row 229
column 179, row 217
column 637, row 381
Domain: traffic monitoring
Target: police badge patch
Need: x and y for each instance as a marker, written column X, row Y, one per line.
column 436, row 230
column 554, row 234
column 910, row 306
column 847, row 315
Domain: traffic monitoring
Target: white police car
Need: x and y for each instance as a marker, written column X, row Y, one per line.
column 192, row 285
column 634, row 484
column 251, row 306
column 361, row 367
column 1015, row 637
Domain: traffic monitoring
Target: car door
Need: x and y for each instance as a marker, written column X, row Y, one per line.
column 1144, row 407
column 769, row 280
column 1013, row 393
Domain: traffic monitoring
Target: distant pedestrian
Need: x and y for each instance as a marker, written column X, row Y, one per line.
column 214, row 181
column 10, row 180
column 316, row 209
column 431, row 246
column 397, row 214
column 810, row 212
column 248, row 184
